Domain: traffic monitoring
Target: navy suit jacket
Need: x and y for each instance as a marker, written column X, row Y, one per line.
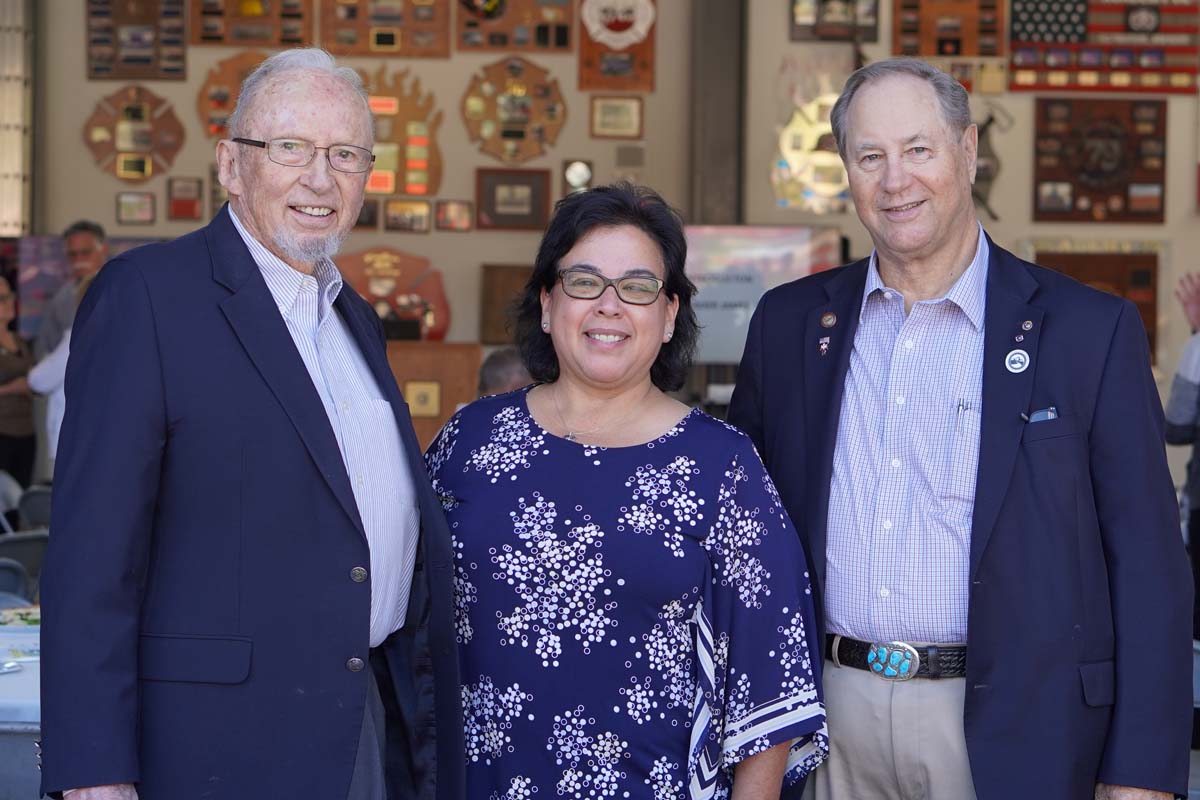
column 199, row 610
column 1079, row 665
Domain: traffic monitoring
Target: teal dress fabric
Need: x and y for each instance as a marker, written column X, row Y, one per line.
column 632, row 621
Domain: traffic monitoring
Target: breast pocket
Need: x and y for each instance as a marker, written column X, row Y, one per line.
column 1064, row 425
column 964, row 457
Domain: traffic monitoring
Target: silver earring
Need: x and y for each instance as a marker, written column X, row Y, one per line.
column 546, row 325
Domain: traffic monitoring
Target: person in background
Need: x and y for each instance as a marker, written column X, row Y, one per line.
column 502, row 371
column 248, row 591
column 972, row 449
column 87, row 250
column 632, row 606
column 18, row 444
column 1183, row 425
column 48, row 377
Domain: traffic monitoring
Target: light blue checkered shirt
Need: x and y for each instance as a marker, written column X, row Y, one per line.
column 363, row 422
column 904, row 467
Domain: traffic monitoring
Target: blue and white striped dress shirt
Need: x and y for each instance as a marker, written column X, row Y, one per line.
column 363, row 422
column 904, row 467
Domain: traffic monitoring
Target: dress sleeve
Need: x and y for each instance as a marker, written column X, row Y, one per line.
column 762, row 680
column 437, row 459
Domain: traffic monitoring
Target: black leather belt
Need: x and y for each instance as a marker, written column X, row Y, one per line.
column 897, row 661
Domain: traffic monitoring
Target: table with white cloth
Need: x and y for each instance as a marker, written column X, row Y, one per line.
column 20, row 711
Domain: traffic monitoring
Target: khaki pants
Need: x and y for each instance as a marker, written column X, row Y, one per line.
column 892, row 740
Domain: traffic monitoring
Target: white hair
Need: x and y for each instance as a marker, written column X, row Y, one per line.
column 308, row 59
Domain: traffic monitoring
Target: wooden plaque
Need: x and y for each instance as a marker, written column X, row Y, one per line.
column 218, row 95
column 133, row 134
column 252, row 23
column 513, row 108
column 836, row 20
column 401, row 287
column 1104, row 46
column 948, row 28
column 1100, row 160
column 1132, row 275
column 542, row 26
column 416, row 29
column 136, row 40
column 408, row 159
column 436, row 378
column 616, row 45
column 501, row 287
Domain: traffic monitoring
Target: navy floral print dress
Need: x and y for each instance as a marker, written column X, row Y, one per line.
column 632, row 621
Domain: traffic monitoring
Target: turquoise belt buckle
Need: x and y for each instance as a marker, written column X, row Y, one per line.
column 893, row 661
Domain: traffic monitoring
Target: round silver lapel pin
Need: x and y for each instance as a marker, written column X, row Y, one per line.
column 1017, row 361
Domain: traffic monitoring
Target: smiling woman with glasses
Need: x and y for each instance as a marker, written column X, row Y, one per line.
column 632, row 608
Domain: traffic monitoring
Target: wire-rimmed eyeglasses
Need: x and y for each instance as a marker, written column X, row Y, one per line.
column 584, row 284
column 300, row 153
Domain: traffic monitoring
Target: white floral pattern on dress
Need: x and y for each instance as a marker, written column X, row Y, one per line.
column 663, row 780
column 592, row 763
column 515, row 440
column 557, row 580
column 519, row 788
column 735, row 535
column 663, row 503
column 488, row 714
column 465, row 594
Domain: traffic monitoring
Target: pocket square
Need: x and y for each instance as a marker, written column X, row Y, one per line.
column 1043, row 415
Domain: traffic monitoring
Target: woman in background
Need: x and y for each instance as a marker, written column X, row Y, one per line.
column 633, row 608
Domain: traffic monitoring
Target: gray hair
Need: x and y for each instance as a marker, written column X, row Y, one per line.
column 309, row 59
column 952, row 97
column 501, row 370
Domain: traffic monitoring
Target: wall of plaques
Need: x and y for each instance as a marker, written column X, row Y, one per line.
column 948, row 28
column 616, row 45
column 136, row 39
column 1089, row 45
column 513, row 110
column 1100, row 160
column 133, row 134
column 833, row 20
column 417, row 29
column 252, row 23
column 545, row 26
column 408, row 158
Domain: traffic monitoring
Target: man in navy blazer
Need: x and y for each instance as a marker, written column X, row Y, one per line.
column 248, row 590
column 972, row 450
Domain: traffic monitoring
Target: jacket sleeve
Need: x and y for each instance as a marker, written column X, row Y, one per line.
column 1148, row 576
column 106, row 483
column 745, row 407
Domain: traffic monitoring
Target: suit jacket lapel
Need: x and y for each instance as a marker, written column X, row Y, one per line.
column 255, row 319
column 828, row 341
column 1006, row 393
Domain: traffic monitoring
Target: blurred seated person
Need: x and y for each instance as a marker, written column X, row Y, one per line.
column 87, row 250
column 502, row 371
column 18, row 445
column 48, row 377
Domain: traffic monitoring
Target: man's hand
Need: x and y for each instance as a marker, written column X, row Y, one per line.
column 1106, row 792
column 1188, row 294
column 121, row 791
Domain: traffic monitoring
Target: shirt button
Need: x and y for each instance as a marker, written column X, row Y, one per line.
column 358, row 574
column 884, row 592
column 887, row 295
column 355, row 664
column 895, row 462
column 900, row 400
column 887, row 524
column 908, row 344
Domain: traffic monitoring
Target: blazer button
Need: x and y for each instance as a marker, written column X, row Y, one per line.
column 358, row 574
column 355, row 664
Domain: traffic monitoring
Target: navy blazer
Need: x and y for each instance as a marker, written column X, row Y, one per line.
column 1079, row 656
column 199, row 611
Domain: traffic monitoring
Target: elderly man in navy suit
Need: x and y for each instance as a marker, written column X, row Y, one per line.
column 972, row 450
column 248, row 589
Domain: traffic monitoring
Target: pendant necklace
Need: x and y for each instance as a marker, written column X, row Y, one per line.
column 573, row 436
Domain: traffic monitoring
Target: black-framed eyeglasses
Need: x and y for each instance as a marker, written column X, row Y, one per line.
column 300, row 153
column 583, row 284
